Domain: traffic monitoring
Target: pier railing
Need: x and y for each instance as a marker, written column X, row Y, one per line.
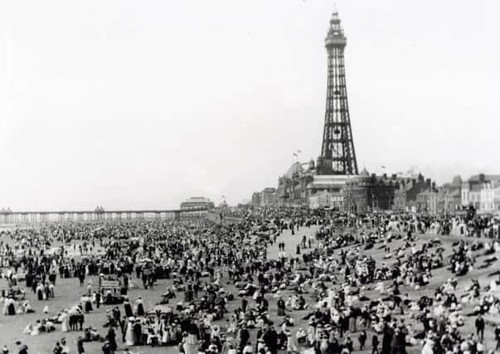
column 37, row 217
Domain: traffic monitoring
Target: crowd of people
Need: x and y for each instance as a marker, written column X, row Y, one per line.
column 336, row 284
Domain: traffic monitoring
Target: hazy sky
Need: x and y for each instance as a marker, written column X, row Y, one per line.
column 141, row 104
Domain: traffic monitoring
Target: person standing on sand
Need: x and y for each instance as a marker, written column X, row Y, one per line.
column 89, row 288
column 375, row 344
column 190, row 346
column 497, row 336
column 129, row 333
column 139, row 307
column 97, row 296
column 480, row 327
column 281, row 307
column 64, row 318
column 362, row 340
column 81, row 277
column 386, row 339
column 79, row 345
column 128, row 308
column 111, row 337
column 243, row 336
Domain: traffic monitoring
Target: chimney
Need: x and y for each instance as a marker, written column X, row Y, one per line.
column 428, row 182
column 384, row 175
column 481, row 177
column 394, row 176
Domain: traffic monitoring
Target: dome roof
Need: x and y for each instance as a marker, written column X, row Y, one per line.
column 295, row 169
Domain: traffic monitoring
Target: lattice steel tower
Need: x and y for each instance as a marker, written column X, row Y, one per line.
column 337, row 153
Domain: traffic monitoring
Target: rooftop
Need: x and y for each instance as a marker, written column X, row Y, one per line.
column 483, row 177
column 197, row 200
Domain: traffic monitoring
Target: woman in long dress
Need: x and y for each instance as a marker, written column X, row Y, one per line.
column 311, row 333
column 281, row 307
column 129, row 334
column 191, row 343
column 323, row 346
column 87, row 300
column 139, row 307
column 5, row 310
column 128, row 309
column 174, row 333
column 291, row 343
column 64, row 321
column 39, row 291
column 9, row 306
column 165, row 334
column 233, row 322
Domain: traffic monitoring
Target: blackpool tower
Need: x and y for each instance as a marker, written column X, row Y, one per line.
column 337, row 153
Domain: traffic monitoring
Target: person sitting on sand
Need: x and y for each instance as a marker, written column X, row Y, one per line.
column 25, row 308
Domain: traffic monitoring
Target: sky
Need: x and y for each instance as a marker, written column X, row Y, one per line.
column 142, row 104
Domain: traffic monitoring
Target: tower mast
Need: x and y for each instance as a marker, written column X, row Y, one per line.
column 337, row 153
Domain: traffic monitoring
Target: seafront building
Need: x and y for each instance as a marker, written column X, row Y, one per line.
column 482, row 191
column 197, row 203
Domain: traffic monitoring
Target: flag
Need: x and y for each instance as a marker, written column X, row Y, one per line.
column 295, row 154
column 382, row 166
column 299, row 152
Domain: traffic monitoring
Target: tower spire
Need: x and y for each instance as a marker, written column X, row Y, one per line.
column 337, row 153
